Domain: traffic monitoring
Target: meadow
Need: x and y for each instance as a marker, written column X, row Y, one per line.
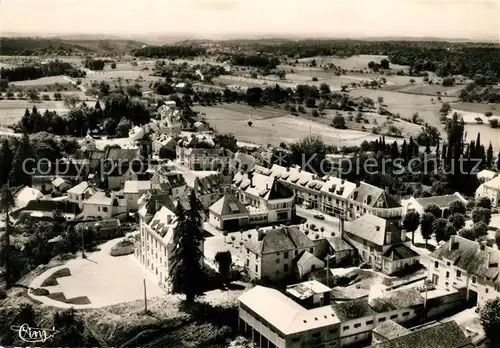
column 354, row 62
column 276, row 129
column 11, row 111
column 43, row 81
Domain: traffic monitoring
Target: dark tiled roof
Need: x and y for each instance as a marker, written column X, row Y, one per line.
column 398, row 299
column 46, row 205
column 207, row 185
column 228, row 205
column 445, row 335
column 374, row 229
column 390, row 330
column 280, row 239
column 338, row 244
column 440, row 201
column 115, row 154
column 399, row 252
column 354, row 309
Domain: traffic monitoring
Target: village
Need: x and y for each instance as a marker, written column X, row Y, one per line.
column 323, row 261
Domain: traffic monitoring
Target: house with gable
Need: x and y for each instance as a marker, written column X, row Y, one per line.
column 104, row 205
column 81, row 192
column 443, row 202
column 490, row 189
column 366, row 198
column 380, row 243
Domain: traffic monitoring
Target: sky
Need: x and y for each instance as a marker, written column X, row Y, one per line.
column 468, row 19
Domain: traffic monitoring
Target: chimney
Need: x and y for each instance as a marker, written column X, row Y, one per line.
column 403, row 236
column 452, row 242
column 377, row 228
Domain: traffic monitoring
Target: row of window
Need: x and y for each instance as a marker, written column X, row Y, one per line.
column 380, row 320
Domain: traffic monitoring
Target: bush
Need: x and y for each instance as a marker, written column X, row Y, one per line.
column 494, row 123
column 45, row 97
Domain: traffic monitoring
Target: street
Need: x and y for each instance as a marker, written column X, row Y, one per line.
column 330, row 223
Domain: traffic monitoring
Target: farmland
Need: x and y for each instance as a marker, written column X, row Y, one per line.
column 13, row 110
column 354, row 62
column 276, row 129
column 41, row 81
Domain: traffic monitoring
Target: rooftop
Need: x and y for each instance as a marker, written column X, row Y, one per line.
column 400, row 252
column 444, row 335
column 390, row 330
column 307, row 289
column 101, row 198
column 136, row 186
column 369, row 195
column 493, row 183
column 279, row 239
column 441, row 201
column 80, row 188
column 228, row 205
column 374, row 229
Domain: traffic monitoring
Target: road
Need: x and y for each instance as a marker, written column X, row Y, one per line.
column 330, row 223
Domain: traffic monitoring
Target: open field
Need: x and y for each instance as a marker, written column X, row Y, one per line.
column 278, row 129
column 478, row 107
column 425, row 89
column 488, row 135
column 354, row 62
column 406, row 104
column 11, row 111
column 41, row 81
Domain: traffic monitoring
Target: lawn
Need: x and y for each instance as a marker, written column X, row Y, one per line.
column 406, row 104
column 12, row 110
column 275, row 130
column 50, row 80
column 354, row 62
column 425, row 89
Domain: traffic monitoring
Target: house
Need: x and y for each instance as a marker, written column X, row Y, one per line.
column 228, row 214
column 133, row 190
column 60, row 185
column 207, row 188
column 306, row 264
column 163, row 141
column 490, row 189
column 136, row 133
column 169, row 179
column 272, row 254
column 46, row 172
column 267, row 199
column 464, row 264
column 24, row 194
column 104, row 205
column 337, row 249
column 81, row 192
column 272, row 319
column 366, row 198
column 437, row 335
column 217, row 159
column 380, row 243
column 309, row 294
column 443, row 202
column 334, row 195
column 156, row 244
column 88, row 143
column 387, row 331
column 486, row 175
column 104, row 229
column 169, row 119
column 43, row 209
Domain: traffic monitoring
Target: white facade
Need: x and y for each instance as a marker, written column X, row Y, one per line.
column 491, row 190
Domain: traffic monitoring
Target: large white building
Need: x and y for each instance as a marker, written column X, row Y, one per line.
column 490, row 189
column 463, row 264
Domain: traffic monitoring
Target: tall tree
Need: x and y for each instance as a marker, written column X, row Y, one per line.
column 6, row 158
column 23, row 163
column 434, row 210
column 6, row 203
column 411, row 222
column 457, row 207
column 426, row 222
column 490, row 320
column 489, row 157
column 186, row 272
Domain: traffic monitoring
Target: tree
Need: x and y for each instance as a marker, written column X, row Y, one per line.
column 224, row 261
column 457, row 220
column 457, row 207
column 339, row 122
column 489, row 317
column 71, row 329
column 484, row 202
column 480, row 229
column 445, row 109
column 6, row 157
column 113, row 65
column 426, row 222
column 324, row 88
column 434, row 210
column 186, row 272
column 6, row 203
column 481, row 214
column 439, row 226
column 21, row 171
column 411, row 222
column 467, row 233
column 281, row 74
column 489, row 157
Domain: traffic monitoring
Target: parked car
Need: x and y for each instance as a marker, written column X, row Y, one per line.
column 319, row 216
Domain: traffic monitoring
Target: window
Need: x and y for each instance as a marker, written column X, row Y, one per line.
column 105, row 209
column 447, row 263
column 357, row 325
column 256, row 268
column 296, row 252
column 436, row 264
column 248, row 262
column 447, row 274
column 369, row 322
column 345, row 328
column 393, row 316
column 285, row 255
column 486, row 290
column 381, row 320
column 332, row 331
column 459, row 273
column 277, row 261
column 473, row 280
column 311, row 250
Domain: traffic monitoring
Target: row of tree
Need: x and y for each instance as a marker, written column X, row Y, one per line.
column 36, row 71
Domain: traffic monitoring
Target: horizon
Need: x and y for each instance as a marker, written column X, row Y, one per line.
column 356, row 19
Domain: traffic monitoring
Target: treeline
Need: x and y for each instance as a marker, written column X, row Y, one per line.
column 169, row 51
column 120, row 111
column 36, row 71
column 25, row 46
column 263, row 61
column 94, row 64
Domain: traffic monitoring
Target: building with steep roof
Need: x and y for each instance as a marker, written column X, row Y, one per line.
column 133, row 190
column 195, row 158
column 271, row 254
column 104, row 205
column 380, row 242
column 464, row 264
column 443, row 202
column 267, row 200
column 79, row 193
column 366, row 198
column 228, row 214
column 490, row 189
